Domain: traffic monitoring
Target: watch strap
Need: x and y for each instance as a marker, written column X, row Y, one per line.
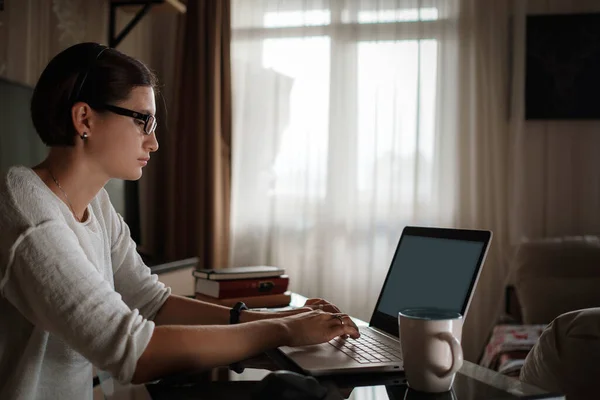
column 234, row 313
column 234, row 318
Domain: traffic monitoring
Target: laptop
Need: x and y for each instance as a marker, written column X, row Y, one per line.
column 432, row 267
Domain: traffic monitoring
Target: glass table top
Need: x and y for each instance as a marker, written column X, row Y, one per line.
column 472, row 382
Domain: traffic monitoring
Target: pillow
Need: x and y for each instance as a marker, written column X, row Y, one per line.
column 554, row 276
column 566, row 357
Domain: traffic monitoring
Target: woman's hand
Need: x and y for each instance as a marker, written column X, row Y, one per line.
column 320, row 304
column 317, row 327
column 315, row 304
column 309, row 306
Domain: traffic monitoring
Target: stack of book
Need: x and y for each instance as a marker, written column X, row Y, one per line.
column 257, row 286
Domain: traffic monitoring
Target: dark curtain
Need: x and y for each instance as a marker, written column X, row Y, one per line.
column 187, row 193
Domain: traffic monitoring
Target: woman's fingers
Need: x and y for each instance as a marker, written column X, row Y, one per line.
column 350, row 322
column 331, row 308
column 343, row 323
column 347, row 320
column 343, row 330
column 320, row 304
column 295, row 311
column 318, row 326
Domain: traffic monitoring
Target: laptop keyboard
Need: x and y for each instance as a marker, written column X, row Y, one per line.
column 367, row 349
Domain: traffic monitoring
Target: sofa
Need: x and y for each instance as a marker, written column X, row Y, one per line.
column 551, row 277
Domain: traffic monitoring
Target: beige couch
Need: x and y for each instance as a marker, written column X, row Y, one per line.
column 554, row 276
column 558, row 282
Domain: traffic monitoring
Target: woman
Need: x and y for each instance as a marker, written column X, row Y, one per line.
column 73, row 290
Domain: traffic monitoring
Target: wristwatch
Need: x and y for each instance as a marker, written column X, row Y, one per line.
column 234, row 314
column 234, row 318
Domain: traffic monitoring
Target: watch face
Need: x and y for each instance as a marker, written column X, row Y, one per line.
column 234, row 314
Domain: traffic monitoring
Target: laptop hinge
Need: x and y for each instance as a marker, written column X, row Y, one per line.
column 384, row 333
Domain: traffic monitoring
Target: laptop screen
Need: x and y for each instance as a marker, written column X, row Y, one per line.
column 434, row 268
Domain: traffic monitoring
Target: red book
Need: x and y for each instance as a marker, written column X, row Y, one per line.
column 242, row 287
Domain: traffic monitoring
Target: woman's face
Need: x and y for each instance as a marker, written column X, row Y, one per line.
column 118, row 143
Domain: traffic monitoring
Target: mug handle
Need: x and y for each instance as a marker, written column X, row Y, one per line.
column 455, row 349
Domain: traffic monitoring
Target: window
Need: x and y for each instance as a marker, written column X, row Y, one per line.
column 338, row 121
column 348, row 98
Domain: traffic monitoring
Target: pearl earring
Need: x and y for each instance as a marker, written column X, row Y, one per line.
column 84, row 136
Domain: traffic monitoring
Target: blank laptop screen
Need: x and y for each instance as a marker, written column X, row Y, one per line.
column 430, row 272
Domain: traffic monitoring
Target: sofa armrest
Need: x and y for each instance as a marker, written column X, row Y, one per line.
column 512, row 306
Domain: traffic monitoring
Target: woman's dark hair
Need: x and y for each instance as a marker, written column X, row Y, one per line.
column 87, row 72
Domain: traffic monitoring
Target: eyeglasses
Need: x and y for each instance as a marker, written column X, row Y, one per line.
column 148, row 119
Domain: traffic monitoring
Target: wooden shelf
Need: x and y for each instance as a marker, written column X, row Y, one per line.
column 176, row 5
column 139, row 8
column 165, row 6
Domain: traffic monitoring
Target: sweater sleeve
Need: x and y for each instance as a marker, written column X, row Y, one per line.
column 565, row 358
column 49, row 279
column 133, row 280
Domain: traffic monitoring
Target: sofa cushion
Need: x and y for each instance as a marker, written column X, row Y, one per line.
column 508, row 346
column 554, row 276
column 565, row 358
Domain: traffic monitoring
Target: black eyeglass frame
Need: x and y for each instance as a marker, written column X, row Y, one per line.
column 148, row 119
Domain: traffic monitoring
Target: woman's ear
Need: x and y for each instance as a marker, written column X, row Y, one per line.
column 81, row 116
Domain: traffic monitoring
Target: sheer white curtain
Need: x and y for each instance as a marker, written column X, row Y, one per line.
column 344, row 132
column 486, row 153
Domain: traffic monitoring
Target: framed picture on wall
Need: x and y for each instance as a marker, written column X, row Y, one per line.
column 562, row 77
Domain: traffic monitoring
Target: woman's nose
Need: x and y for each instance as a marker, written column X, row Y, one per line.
column 152, row 142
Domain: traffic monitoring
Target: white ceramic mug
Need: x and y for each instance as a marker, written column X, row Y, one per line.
column 430, row 340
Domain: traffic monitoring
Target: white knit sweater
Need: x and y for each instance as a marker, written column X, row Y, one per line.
column 72, row 294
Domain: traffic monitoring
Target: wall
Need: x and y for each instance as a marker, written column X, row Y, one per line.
column 558, row 167
column 180, row 281
column 33, row 31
